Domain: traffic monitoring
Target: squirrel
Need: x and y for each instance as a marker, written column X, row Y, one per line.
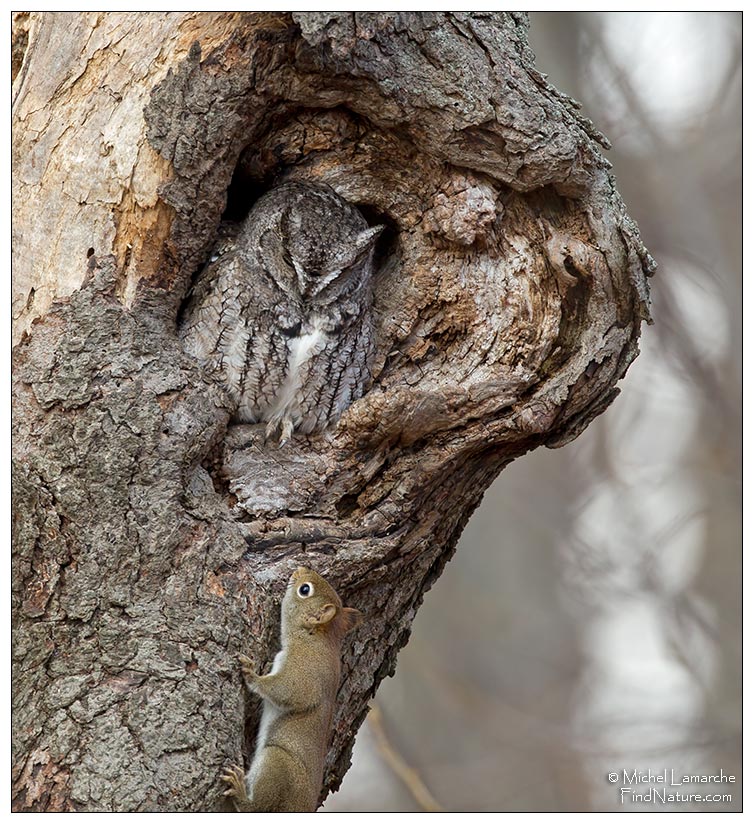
column 299, row 701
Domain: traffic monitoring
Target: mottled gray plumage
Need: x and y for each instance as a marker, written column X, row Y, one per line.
column 285, row 310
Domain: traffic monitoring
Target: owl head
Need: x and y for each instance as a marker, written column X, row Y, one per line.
column 313, row 243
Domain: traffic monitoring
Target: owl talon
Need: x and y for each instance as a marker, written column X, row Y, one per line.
column 286, row 431
column 271, row 433
column 284, row 426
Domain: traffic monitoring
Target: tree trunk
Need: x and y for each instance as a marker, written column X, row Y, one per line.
column 153, row 539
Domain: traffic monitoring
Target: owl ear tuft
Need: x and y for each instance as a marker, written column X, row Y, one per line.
column 367, row 238
column 269, row 248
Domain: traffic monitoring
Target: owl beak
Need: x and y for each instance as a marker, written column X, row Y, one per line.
column 302, row 277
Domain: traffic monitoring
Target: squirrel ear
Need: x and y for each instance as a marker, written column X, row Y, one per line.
column 329, row 611
column 350, row 618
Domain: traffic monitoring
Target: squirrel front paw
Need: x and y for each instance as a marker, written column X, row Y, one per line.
column 235, row 778
column 247, row 668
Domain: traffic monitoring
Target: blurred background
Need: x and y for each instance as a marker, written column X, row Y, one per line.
column 590, row 620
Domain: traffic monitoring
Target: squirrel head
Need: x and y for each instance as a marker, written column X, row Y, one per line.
column 310, row 603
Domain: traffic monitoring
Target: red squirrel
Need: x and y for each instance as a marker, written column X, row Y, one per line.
column 299, row 701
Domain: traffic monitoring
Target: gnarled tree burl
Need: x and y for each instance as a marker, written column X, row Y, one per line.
column 153, row 538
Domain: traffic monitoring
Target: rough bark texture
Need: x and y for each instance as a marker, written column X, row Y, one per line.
column 152, row 539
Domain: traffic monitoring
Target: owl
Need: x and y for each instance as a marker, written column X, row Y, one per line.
column 284, row 311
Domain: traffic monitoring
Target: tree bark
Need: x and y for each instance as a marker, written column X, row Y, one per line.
column 152, row 538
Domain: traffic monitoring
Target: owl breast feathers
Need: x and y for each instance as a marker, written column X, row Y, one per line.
column 285, row 311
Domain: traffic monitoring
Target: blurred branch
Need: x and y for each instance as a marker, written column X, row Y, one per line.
column 395, row 761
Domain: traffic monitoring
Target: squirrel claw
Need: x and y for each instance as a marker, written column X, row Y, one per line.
column 236, row 778
column 247, row 667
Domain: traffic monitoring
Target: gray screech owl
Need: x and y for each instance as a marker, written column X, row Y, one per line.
column 285, row 310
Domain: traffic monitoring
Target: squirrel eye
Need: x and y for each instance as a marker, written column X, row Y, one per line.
column 305, row 590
